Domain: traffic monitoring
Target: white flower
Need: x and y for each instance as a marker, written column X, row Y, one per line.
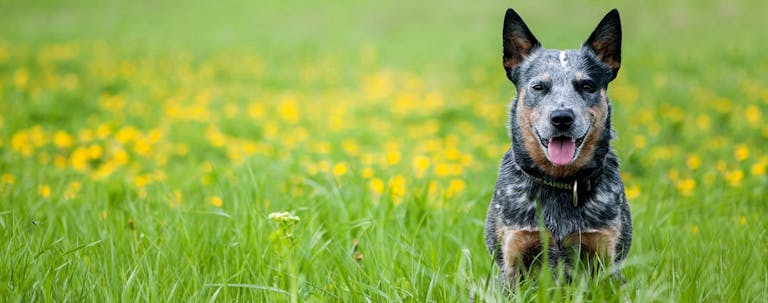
column 284, row 217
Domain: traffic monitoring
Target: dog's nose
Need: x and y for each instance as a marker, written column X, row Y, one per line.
column 562, row 118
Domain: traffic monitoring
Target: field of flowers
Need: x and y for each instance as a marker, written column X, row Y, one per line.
column 348, row 153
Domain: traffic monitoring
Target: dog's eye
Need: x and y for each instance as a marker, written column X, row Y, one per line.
column 538, row 87
column 588, row 86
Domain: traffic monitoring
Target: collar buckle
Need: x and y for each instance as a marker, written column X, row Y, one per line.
column 576, row 193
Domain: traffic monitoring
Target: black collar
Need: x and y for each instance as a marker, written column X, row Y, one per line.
column 585, row 185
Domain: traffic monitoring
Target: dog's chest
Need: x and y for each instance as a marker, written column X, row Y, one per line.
column 522, row 204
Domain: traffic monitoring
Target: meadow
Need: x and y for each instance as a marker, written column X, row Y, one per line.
column 280, row 151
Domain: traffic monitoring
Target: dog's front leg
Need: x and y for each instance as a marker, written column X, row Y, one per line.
column 595, row 247
column 517, row 245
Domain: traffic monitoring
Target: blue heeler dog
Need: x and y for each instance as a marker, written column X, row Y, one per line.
column 559, row 185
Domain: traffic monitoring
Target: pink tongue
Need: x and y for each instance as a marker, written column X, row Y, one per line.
column 561, row 150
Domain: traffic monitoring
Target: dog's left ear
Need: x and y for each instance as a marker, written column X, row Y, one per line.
column 605, row 41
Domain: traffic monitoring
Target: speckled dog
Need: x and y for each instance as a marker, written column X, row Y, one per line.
column 559, row 182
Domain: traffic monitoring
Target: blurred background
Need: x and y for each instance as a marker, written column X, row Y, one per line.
column 402, row 32
column 185, row 123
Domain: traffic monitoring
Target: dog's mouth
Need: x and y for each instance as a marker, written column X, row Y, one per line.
column 562, row 150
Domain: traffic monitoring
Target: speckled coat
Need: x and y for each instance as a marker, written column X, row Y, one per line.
column 577, row 210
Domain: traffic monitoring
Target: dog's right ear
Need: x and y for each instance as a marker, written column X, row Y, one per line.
column 518, row 42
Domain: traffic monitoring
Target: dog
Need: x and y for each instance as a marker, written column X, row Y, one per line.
column 559, row 187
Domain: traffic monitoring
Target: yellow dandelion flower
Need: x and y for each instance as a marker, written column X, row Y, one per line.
column 640, row 141
column 255, row 110
column 367, row 158
column 37, row 136
column 377, row 86
column 214, row 136
column 154, row 136
column 674, row 114
column 78, row 159
column 324, row 166
column 126, row 134
column 758, row 169
column 721, row 165
column 734, row 177
column 743, row 220
column 44, row 191
column 181, row 149
column 397, row 186
column 94, row 151
column 703, row 122
column 120, row 157
column 694, row 162
column 632, row 192
column 141, row 147
column 174, row 200
column 695, row 229
column 72, row 190
column 159, row 176
column 466, row 160
column 85, row 135
column 367, row 173
column 141, row 180
column 452, row 154
column 753, row 115
column 351, row 147
column 673, row 174
column 216, row 201
column 311, row 168
column 686, row 186
column 8, row 179
column 271, row 128
column 206, row 180
column 335, row 123
column 432, row 187
column 444, row 169
column 288, row 110
column 455, row 187
column 340, row 169
column 20, row 78
column 392, row 157
column 741, row 153
column 724, row 105
column 59, row 161
column 322, row 147
column 376, row 185
column 661, row 153
column 20, row 142
column 103, row 131
column 420, row 165
column 104, row 171
column 62, row 139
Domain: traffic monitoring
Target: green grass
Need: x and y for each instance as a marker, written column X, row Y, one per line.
column 144, row 145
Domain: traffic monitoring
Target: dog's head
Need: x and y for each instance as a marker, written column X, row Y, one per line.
column 560, row 120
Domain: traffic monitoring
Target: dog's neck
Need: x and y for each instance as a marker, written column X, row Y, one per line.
column 587, row 177
column 578, row 186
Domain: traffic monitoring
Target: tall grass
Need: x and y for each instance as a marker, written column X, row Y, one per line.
column 145, row 145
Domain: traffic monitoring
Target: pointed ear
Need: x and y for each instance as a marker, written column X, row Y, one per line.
column 518, row 42
column 605, row 41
